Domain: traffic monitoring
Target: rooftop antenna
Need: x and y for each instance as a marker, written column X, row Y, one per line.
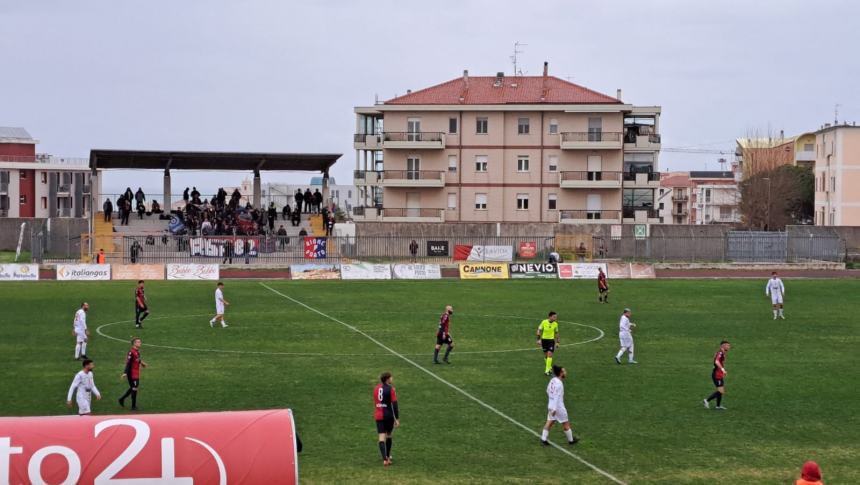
column 722, row 162
column 835, row 114
column 517, row 51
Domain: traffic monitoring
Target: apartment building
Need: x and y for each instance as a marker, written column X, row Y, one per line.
column 40, row 185
column 675, row 195
column 714, row 197
column 507, row 149
column 837, row 176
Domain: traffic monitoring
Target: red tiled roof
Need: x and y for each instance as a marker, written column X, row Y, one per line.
column 528, row 90
column 675, row 180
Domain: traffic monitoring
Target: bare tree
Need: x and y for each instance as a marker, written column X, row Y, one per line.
column 766, row 192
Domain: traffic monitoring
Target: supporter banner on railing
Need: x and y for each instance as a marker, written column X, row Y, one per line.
column 247, row 447
column 365, row 271
column 217, row 247
column 417, row 271
column 315, row 247
column 315, row 271
column 465, row 252
column 579, row 271
column 533, row 270
column 137, row 271
column 19, row 272
column 87, row 272
column 437, row 248
column 528, row 249
column 193, row 272
column 481, row 271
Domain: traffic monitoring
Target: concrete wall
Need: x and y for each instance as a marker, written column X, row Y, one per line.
column 61, row 235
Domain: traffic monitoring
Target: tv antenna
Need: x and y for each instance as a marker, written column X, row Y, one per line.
column 517, row 51
column 836, row 114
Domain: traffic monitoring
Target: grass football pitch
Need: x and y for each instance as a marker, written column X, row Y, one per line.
column 792, row 387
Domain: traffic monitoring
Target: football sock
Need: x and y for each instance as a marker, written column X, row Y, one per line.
column 388, row 447
column 142, row 318
column 630, row 357
column 447, row 353
column 382, row 450
column 84, row 348
column 133, row 398
column 619, row 354
column 780, row 312
column 544, row 434
column 77, row 351
column 435, row 355
column 212, row 321
column 719, row 398
column 774, row 313
column 714, row 395
column 568, row 433
column 548, row 364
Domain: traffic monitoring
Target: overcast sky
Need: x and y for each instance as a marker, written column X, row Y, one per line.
column 284, row 76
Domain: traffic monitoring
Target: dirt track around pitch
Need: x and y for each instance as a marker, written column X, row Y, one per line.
column 758, row 274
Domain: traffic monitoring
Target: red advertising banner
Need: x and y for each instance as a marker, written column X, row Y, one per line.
column 462, row 251
column 528, row 249
column 247, row 447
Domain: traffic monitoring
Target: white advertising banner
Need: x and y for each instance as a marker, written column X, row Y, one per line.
column 83, row 272
column 417, row 272
column 19, row 272
column 365, row 271
column 580, row 271
column 193, row 272
column 495, row 254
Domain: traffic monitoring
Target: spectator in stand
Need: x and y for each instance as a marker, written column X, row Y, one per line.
column 283, row 240
column 581, row 252
column 554, row 257
column 228, row 252
column 100, row 257
column 135, row 250
column 247, row 250
column 302, row 232
column 141, row 210
column 810, row 474
column 329, row 225
column 156, row 209
column 206, row 228
column 128, row 194
column 309, row 200
column 185, row 196
column 318, row 200
column 139, row 196
column 299, row 197
column 125, row 211
column 297, row 218
column 195, row 195
column 286, row 212
column 272, row 216
column 413, row 250
column 108, row 208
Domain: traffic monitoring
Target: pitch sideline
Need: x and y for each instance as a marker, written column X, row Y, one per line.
column 443, row 381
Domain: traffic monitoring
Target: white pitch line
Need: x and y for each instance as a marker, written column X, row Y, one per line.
column 452, row 386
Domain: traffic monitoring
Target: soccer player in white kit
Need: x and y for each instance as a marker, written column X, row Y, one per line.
column 776, row 290
column 556, row 412
column 220, row 305
column 625, row 335
column 85, row 383
column 80, row 331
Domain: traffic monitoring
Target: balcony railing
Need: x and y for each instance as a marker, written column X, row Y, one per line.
column 591, row 176
column 407, row 136
column 64, row 188
column 411, row 212
column 362, row 137
column 583, row 215
column 594, row 136
column 633, row 137
column 650, row 176
column 629, row 212
column 359, row 174
column 681, row 197
column 679, row 212
column 412, row 174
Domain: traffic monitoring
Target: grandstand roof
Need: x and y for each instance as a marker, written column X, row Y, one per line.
column 181, row 160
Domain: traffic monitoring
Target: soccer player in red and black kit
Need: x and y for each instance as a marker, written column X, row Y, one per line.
column 443, row 336
column 386, row 414
column 602, row 287
column 133, row 363
column 141, row 311
column 718, row 375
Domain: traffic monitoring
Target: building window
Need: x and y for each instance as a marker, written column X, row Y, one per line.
column 523, row 126
column 725, row 213
column 44, row 177
column 481, row 125
column 833, row 184
column 22, row 174
column 553, row 163
column 481, row 163
column 413, row 168
column 707, row 196
column 641, row 198
column 553, row 126
column 22, row 199
column 552, row 201
column 452, row 126
column 807, row 147
column 44, row 202
column 523, row 163
column 522, row 202
column 452, row 163
column 452, row 201
column 481, row 202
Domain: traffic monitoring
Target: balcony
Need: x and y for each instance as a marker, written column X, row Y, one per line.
column 366, row 177
column 680, row 197
column 804, row 155
column 363, row 141
column 581, row 140
column 86, row 188
column 589, row 216
column 64, row 188
column 412, row 178
column 679, row 211
column 413, row 140
column 387, row 214
column 642, row 179
column 648, row 143
column 640, row 215
column 590, row 180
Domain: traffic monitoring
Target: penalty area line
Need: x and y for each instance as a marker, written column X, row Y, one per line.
column 449, row 384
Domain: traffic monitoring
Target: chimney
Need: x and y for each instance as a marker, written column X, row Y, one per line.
column 782, row 134
column 545, row 69
column 500, row 79
column 466, row 76
column 618, row 94
column 408, row 91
